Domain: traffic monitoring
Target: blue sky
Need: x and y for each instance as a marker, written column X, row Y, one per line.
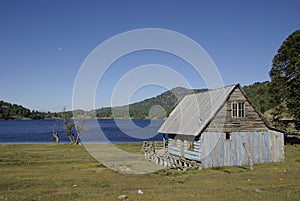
column 44, row 43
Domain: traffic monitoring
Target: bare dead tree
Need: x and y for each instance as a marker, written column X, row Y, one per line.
column 73, row 123
column 79, row 127
column 55, row 134
column 69, row 125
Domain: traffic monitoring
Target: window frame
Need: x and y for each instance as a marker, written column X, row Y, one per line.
column 238, row 110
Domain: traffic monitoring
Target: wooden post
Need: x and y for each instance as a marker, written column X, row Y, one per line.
column 164, row 141
column 182, row 148
column 249, row 156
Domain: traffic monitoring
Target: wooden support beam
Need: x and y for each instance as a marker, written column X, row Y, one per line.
column 249, row 156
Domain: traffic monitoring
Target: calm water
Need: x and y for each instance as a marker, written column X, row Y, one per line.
column 97, row 131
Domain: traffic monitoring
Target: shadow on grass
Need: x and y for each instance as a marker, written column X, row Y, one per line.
column 291, row 140
column 230, row 170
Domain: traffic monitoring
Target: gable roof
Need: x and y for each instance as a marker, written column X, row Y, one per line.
column 195, row 112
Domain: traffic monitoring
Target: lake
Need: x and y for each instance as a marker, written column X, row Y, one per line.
column 97, row 131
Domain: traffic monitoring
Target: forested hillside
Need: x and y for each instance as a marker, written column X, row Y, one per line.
column 14, row 111
column 140, row 110
column 259, row 95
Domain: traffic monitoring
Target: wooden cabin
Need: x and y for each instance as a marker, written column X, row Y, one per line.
column 221, row 128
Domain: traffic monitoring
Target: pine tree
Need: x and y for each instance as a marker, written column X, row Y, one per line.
column 285, row 75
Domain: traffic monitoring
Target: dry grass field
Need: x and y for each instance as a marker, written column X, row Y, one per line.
column 66, row 172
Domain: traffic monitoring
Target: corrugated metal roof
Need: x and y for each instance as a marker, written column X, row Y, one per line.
column 195, row 111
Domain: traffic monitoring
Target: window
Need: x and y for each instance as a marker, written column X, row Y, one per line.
column 190, row 145
column 227, row 136
column 241, row 109
column 238, row 109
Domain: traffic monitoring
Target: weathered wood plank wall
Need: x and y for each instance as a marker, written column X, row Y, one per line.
column 264, row 146
column 224, row 122
column 276, row 146
column 214, row 150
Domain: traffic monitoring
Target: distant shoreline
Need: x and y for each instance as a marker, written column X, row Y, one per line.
column 47, row 143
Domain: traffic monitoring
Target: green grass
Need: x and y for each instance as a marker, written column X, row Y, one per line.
column 66, row 172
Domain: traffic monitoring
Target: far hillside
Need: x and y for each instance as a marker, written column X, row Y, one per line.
column 258, row 94
column 140, row 110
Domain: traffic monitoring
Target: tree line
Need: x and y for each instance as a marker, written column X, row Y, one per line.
column 10, row 111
